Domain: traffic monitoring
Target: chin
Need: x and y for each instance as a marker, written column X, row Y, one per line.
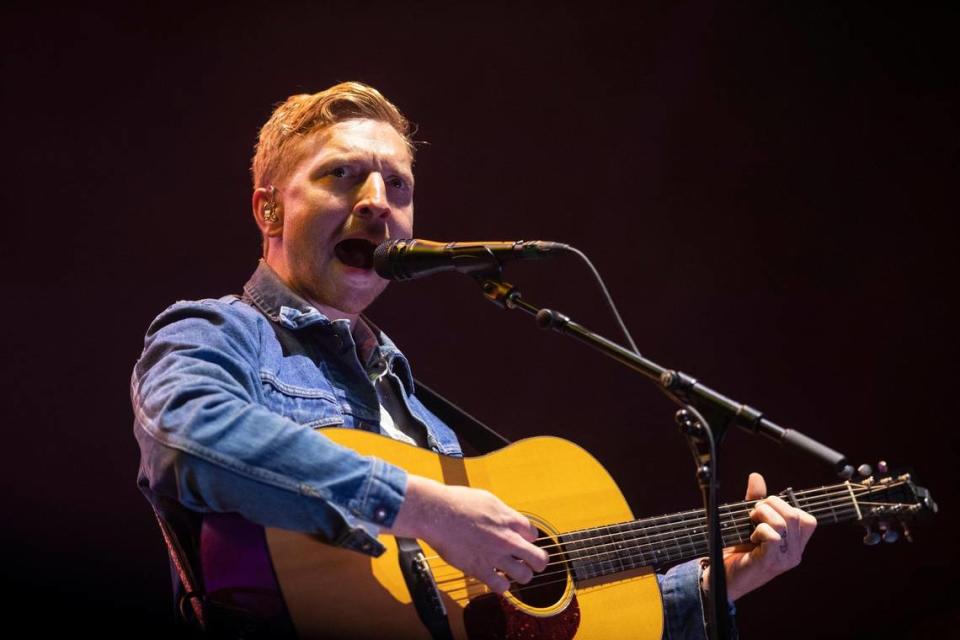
column 356, row 299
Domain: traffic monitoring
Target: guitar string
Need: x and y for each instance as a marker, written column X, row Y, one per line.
column 741, row 528
column 687, row 548
column 684, row 548
column 696, row 516
column 672, row 520
column 674, row 533
column 677, row 532
column 690, row 548
column 472, row 583
column 518, row 588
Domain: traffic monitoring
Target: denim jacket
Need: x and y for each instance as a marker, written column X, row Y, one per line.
column 228, row 407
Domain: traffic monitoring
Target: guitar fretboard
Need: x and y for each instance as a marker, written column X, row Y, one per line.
column 662, row 541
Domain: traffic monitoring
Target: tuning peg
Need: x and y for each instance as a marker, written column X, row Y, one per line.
column 865, row 470
column 871, row 538
column 882, row 466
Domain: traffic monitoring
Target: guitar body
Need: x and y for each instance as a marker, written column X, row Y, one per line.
column 335, row 593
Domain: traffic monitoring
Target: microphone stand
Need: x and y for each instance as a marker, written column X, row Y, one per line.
column 703, row 419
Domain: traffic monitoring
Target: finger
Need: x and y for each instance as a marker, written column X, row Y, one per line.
column 765, row 533
column 527, row 530
column 495, row 580
column 800, row 523
column 791, row 515
column 781, row 506
column 756, row 487
column 764, row 513
column 808, row 525
column 515, row 569
column 533, row 555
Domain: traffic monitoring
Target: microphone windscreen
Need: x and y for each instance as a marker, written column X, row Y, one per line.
column 385, row 261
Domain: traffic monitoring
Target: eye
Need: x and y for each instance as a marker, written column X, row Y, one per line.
column 397, row 182
column 339, row 172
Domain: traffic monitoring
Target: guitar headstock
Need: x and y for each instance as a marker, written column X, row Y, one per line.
column 886, row 502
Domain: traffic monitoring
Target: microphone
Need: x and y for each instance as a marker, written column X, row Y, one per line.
column 408, row 258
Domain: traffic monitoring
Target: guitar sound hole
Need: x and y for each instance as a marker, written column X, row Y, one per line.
column 547, row 587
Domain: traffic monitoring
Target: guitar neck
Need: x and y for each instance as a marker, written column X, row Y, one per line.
column 669, row 539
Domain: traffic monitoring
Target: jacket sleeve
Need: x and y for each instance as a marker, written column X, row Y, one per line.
column 207, row 442
column 684, row 611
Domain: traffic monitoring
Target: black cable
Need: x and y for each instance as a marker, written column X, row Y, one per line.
column 606, row 296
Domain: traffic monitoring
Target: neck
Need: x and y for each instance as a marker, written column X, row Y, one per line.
column 669, row 539
column 281, row 271
column 331, row 313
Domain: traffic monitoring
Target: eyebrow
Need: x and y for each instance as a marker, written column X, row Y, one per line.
column 341, row 154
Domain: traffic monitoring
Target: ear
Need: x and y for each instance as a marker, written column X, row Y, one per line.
column 268, row 211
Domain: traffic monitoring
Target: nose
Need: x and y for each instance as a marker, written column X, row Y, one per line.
column 372, row 198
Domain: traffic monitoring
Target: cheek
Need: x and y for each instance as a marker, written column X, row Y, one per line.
column 315, row 225
column 402, row 225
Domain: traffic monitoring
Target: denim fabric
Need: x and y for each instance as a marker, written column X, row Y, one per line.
column 226, row 418
column 683, row 608
column 227, row 410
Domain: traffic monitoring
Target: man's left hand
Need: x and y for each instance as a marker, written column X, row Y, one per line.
column 776, row 544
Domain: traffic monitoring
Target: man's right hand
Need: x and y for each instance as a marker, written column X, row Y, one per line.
column 471, row 529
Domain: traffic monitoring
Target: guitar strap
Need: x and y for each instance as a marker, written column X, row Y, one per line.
column 180, row 527
column 469, row 430
column 181, row 531
column 416, row 571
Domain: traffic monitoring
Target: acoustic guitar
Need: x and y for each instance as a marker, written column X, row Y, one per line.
column 600, row 579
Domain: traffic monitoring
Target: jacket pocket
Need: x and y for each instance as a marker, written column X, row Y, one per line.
column 313, row 407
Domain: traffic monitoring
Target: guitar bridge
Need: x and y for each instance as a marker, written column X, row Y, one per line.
column 423, row 589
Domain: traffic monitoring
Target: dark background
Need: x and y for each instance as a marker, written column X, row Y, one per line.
column 768, row 191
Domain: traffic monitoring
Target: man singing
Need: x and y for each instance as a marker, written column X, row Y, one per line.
column 230, row 395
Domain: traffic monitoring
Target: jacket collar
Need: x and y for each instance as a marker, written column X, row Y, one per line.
column 268, row 292
column 282, row 305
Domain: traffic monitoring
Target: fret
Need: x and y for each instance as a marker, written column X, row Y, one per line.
column 833, row 511
column 652, row 546
column 698, row 535
column 730, row 531
column 665, row 540
column 725, row 525
column 607, row 554
column 693, row 546
column 660, row 539
column 573, row 548
column 588, row 565
column 671, row 539
column 734, row 526
column 674, row 538
column 622, row 546
column 792, row 497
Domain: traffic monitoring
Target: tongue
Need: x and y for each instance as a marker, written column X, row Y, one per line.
column 355, row 253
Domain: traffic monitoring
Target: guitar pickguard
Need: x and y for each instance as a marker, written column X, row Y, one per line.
column 492, row 617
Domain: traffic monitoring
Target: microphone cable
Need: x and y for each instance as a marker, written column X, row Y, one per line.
column 606, row 296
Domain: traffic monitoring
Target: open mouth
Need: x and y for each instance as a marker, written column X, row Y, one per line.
column 356, row 252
